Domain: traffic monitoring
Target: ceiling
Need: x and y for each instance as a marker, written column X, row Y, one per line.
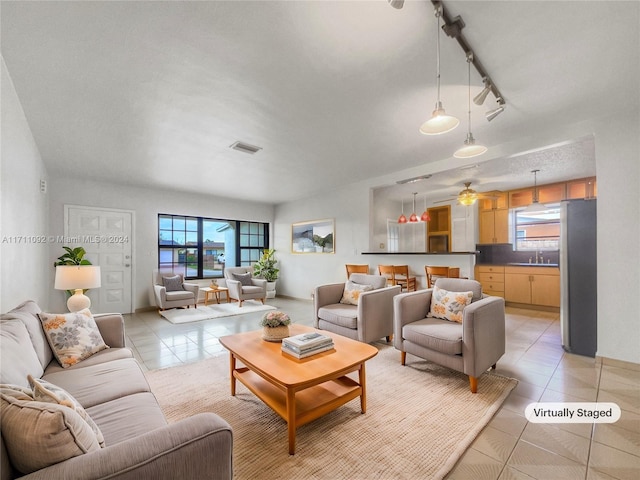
column 154, row 93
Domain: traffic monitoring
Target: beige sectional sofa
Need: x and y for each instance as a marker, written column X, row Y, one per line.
column 113, row 390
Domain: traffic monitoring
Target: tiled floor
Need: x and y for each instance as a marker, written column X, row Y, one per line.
column 509, row 448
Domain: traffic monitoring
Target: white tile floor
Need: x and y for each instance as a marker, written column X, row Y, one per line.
column 509, row 447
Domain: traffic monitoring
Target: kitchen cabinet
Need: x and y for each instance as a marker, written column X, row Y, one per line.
column 552, row 193
column 493, row 218
column 439, row 229
column 532, row 285
column 582, row 188
column 491, row 277
column 493, row 226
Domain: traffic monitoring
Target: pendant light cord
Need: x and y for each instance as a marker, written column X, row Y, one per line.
column 469, row 58
column 438, row 14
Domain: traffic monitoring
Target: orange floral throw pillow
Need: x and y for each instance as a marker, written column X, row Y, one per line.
column 352, row 291
column 449, row 305
column 73, row 337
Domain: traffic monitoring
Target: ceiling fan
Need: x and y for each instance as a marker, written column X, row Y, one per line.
column 468, row 196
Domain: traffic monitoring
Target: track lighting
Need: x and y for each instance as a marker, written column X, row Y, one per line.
column 481, row 97
column 397, row 4
column 491, row 114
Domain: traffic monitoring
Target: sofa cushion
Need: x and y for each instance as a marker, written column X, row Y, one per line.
column 128, row 417
column 27, row 312
column 440, row 335
column 44, row 391
column 101, row 383
column 103, row 356
column 243, row 278
column 72, row 336
column 352, row 291
column 340, row 314
column 15, row 343
column 449, row 305
column 38, row 434
column 173, row 284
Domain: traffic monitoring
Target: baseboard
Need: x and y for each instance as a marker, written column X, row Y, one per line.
column 528, row 306
column 612, row 362
column 150, row 308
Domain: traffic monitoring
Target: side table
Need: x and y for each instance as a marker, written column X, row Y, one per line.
column 210, row 292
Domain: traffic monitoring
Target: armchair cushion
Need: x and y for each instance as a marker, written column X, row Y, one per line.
column 342, row 315
column 449, row 305
column 352, row 292
column 243, row 278
column 173, row 284
column 435, row 334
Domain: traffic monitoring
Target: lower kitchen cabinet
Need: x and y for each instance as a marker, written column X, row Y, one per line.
column 532, row 285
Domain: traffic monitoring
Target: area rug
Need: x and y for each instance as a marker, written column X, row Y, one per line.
column 420, row 419
column 185, row 315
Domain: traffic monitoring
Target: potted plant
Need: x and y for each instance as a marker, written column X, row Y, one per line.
column 265, row 268
column 275, row 326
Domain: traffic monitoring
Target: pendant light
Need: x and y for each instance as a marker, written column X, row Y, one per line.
column 414, row 218
column 425, row 217
column 402, row 218
column 439, row 122
column 535, row 205
column 470, row 148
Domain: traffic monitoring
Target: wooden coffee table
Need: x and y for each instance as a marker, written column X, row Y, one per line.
column 299, row 390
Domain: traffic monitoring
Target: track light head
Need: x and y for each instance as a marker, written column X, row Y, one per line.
column 397, row 4
column 491, row 114
column 481, row 97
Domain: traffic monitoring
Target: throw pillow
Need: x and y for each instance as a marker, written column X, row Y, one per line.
column 173, row 284
column 44, row 391
column 38, row 434
column 449, row 305
column 243, row 278
column 72, row 336
column 352, row 292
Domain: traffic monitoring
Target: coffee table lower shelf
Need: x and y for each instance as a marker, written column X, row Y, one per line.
column 309, row 403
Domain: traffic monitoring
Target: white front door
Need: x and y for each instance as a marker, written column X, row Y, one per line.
column 106, row 236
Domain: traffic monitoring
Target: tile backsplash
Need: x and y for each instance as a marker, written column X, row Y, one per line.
column 503, row 253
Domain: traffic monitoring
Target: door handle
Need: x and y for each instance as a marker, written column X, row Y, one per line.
column 127, row 264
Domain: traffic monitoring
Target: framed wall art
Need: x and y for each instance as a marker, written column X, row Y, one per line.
column 316, row 236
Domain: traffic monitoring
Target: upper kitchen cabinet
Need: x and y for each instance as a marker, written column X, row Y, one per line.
column 582, row 188
column 493, row 214
column 552, row 193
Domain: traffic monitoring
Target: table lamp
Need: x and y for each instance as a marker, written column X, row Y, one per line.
column 77, row 277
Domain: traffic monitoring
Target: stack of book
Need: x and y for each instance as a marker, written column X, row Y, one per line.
column 306, row 344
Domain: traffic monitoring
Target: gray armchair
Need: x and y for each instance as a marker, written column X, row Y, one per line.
column 168, row 298
column 252, row 288
column 369, row 320
column 470, row 347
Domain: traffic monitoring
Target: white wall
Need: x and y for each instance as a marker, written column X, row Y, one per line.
column 617, row 167
column 147, row 204
column 24, row 210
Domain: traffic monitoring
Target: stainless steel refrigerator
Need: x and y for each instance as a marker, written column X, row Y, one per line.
column 578, row 277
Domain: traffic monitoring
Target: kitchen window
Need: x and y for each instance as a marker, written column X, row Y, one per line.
column 199, row 247
column 537, row 230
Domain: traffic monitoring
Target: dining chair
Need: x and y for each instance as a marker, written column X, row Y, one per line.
column 404, row 279
column 387, row 271
column 353, row 268
column 435, row 272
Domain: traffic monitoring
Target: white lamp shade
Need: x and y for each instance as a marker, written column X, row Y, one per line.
column 469, row 151
column 74, row 277
column 439, row 123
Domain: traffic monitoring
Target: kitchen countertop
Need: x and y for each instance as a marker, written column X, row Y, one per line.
column 526, row 264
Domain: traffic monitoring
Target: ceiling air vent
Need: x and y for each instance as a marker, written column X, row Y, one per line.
column 245, row 147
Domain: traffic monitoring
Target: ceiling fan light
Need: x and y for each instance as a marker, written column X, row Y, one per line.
column 470, row 148
column 439, row 122
column 467, row 200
